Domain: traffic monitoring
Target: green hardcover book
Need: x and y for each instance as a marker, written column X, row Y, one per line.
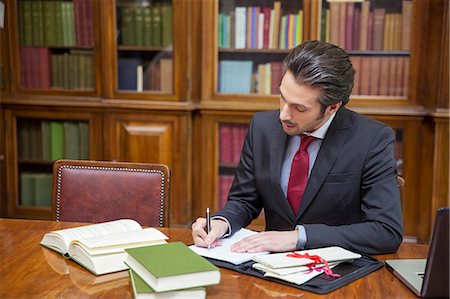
column 27, row 23
column 35, row 141
column 71, row 140
column 143, row 290
column 49, row 23
column 65, row 60
column 127, row 26
column 37, row 22
column 166, row 12
column 156, row 25
column 56, row 140
column 43, row 189
column 59, row 30
column 71, row 24
column 20, row 9
column 147, row 38
column 24, row 139
column 171, row 266
column 65, row 11
column 138, row 26
column 84, row 140
column 27, row 189
column 45, row 135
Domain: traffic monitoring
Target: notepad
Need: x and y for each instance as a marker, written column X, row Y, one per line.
column 224, row 253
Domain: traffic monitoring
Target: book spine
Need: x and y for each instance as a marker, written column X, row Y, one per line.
column 56, row 140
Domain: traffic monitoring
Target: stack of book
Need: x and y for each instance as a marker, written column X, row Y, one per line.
column 299, row 267
column 169, row 270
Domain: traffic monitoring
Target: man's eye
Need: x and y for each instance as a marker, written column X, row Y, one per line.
column 300, row 109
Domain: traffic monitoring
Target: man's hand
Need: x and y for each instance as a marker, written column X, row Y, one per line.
column 201, row 238
column 272, row 241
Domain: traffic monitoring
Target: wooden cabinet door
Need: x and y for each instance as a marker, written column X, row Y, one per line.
column 156, row 138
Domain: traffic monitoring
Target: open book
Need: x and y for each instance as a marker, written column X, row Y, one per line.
column 100, row 248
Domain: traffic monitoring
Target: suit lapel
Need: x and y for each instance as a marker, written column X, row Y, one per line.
column 331, row 146
column 277, row 149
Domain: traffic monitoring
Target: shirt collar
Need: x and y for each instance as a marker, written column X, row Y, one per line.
column 320, row 132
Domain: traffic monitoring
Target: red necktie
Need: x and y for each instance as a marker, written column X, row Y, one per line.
column 299, row 173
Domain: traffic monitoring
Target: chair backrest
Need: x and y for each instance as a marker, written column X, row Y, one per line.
column 98, row 191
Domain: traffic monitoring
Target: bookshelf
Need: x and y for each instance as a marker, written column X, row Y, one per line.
column 40, row 138
column 241, row 68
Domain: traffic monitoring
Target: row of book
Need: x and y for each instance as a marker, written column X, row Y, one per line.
column 42, row 140
column 362, row 26
column 351, row 25
column 379, row 75
column 35, row 189
column 146, row 26
column 231, row 140
column 260, row 28
column 42, row 69
column 56, row 23
column 375, row 75
column 139, row 74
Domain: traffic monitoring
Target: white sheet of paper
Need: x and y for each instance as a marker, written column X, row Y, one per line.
column 224, row 252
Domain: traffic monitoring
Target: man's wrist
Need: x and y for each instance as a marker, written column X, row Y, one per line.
column 227, row 233
column 301, row 237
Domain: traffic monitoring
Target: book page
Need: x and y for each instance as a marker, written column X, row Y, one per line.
column 224, row 253
column 330, row 254
column 288, row 270
column 118, row 241
column 59, row 240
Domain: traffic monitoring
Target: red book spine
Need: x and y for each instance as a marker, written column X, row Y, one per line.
column 349, row 26
column 88, row 21
column 225, row 150
column 77, row 10
column 266, row 11
column 44, row 68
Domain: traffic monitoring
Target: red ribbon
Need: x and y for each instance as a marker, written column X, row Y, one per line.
column 316, row 260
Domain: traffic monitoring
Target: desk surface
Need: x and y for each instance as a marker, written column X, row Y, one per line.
column 29, row 270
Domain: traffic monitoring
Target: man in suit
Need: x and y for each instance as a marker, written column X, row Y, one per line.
column 349, row 197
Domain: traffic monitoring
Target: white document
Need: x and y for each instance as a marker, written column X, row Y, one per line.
column 330, row 254
column 288, row 270
column 224, row 253
column 299, row 277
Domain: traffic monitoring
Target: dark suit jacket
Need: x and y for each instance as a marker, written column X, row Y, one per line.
column 351, row 199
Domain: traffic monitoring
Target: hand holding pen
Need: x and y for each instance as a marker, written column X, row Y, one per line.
column 206, row 232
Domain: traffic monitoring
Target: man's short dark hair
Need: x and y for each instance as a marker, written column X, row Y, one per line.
column 323, row 66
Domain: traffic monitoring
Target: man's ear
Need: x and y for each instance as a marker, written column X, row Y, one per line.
column 333, row 108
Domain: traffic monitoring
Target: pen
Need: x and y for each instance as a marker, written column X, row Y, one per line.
column 208, row 222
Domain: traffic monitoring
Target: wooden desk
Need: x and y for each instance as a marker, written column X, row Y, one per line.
column 29, row 270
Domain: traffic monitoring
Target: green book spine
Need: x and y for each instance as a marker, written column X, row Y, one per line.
column 59, row 33
column 138, row 26
column 65, row 60
column 147, row 38
column 54, row 62
column 71, row 24
column 45, row 134
column 57, row 140
column 71, row 77
column 38, row 24
column 43, row 189
column 35, row 140
column 20, row 9
column 84, row 140
column 166, row 11
column 49, row 23
column 127, row 26
column 27, row 189
column 65, row 23
column 27, row 23
column 71, row 140
column 156, row 25
column 24, row 140
column 89, row 65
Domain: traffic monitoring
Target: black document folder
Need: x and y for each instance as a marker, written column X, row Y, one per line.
column 320, row 284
